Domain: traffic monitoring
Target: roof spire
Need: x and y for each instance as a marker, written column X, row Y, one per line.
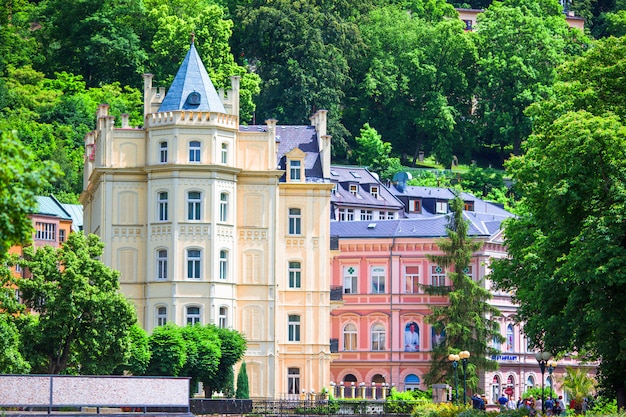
column 193, row 37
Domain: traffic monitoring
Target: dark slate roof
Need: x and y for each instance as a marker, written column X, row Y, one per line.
column 50, row 206
column 422, row 192
column 346, row 175
column 301, row 137
column 424, row 227
column 192, row 77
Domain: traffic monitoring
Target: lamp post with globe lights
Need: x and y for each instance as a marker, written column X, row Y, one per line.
column 455, row 364
column 542, row 359
column 464, row 355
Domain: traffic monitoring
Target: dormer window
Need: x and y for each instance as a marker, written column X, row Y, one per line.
column 374, row 192
column 353, row 189
column 469, row 206
column 442, row 207
column 194, row 98
column 295, row 168
column 295, row 165
column 415, row 206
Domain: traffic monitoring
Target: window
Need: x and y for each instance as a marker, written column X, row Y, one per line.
column 293, row 381
column 349, row 280
column 223, row 264
column 295, row 220
column 194, row 151
column 161, row 316
column 353, row 189
column 349, row 337
column 378, row 337
column 295, row 274
column 366, row 215
column 374, row 192
column 61, row 235
column 412, row 279
column 378, row 279
column 193, row 264
column 194, row 205
column 391, row 215
column 223, row 207
column 509, row 338
column 163, row 152
column 161, row 264
column 437, row 276
column 45, row 231
column 162, row 202
column 469, row 271
column 415, row 206
column 495, row 342
column 346, row 215
column 294, row 170
column 442, row 207
column 222, row 318
column 469, row 206
column 192, row 315
column 293, row 328
column 468, row 24
column 224, row 153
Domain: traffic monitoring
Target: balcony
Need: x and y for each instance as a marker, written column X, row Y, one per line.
column 336, row 293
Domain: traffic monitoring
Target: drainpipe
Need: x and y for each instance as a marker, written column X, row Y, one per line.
column 391, row 327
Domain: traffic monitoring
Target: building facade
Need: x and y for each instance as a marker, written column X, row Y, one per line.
column 212, row 222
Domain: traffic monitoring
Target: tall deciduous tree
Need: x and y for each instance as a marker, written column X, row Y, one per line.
column 466, row 319
column 82, row 320
column 375, row 154
column 567, row 248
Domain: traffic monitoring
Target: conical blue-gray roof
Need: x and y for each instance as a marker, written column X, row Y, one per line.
column 192, row 88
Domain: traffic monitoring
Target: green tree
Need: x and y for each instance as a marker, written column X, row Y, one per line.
column 82, row 321
column 567, row 245
column 21, row 178
column 168, row 349
column 139, row 357
column 203, row 355
column 233, row 347
column 229, row 383
column 242, row 383
column 578, row 385
column 373, row 153
column 467, row 318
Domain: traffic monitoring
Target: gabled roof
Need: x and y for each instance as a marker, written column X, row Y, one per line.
column 192, row 88
column 346, row 175
column 50, row 206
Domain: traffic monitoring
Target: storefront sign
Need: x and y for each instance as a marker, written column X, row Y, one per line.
column 505, row 358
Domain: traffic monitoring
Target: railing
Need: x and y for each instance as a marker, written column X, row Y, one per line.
column 336, row 293
column 320, row 406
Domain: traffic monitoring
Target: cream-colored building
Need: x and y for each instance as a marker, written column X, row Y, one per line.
column 212, row 222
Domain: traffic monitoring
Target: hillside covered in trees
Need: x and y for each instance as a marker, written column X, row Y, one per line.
column 404, row 68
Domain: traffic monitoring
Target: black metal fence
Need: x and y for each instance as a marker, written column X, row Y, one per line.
column 343, row 408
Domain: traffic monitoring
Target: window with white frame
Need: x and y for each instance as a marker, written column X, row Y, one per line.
column 222, row 318
column 293, row 381
column 224, row 153
column 349, row 337
column 294, row 170
column 295, row 274
column 61, row 235
column 377, row 277
column 223, row 207
column 192, row 315
column 391, row 215
column 350, row 279
column 374, row 192
column 412, row 279
column 194, row 151
column 349, row 215
column 510, row 339
column 163, row 152
column 367, row 215
column 295, row 221
column 161, row 265
column 342, row 215
column 378, row 337
column 353, row 189
column 382, row 215
column 223, row 264
column 161, row 316
column 194, row 205
column 45, row 231
column 162, row 201
column 193, row 263
column 415, row 206
column 442, row 207
column 293, row 327
column 437, row 276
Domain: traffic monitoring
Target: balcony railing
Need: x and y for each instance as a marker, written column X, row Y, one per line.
column 336, row 293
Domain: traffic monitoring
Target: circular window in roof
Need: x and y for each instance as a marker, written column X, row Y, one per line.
column 193, row 99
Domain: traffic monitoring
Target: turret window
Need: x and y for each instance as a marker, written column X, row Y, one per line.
column 194, row 151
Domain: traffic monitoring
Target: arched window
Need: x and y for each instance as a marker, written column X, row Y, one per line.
column 295, row 221
column 378, row 337
column 194, row 151
column 411, row 337
column 163, row 152
column 295, row 274
column 192, row 315
column 223, row 207
column 349, row 378
column 293, row 381
column 161, row 265
column 495, row 389
column 349, row 337
column 194, row 205
column 438, row 337
column 162, row 206
column 161, row 316
column 193, row 263
column 411, row 382
column 223, row 264
column 530, row 382
column 222, row 318
column 509, row 338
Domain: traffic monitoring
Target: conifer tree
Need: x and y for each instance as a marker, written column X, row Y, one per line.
column 466, row 319
column 243, row 391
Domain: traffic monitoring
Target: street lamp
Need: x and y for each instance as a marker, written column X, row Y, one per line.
column 542, row 358
column 551, row 365
column 464, row 355
column 455, row 364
